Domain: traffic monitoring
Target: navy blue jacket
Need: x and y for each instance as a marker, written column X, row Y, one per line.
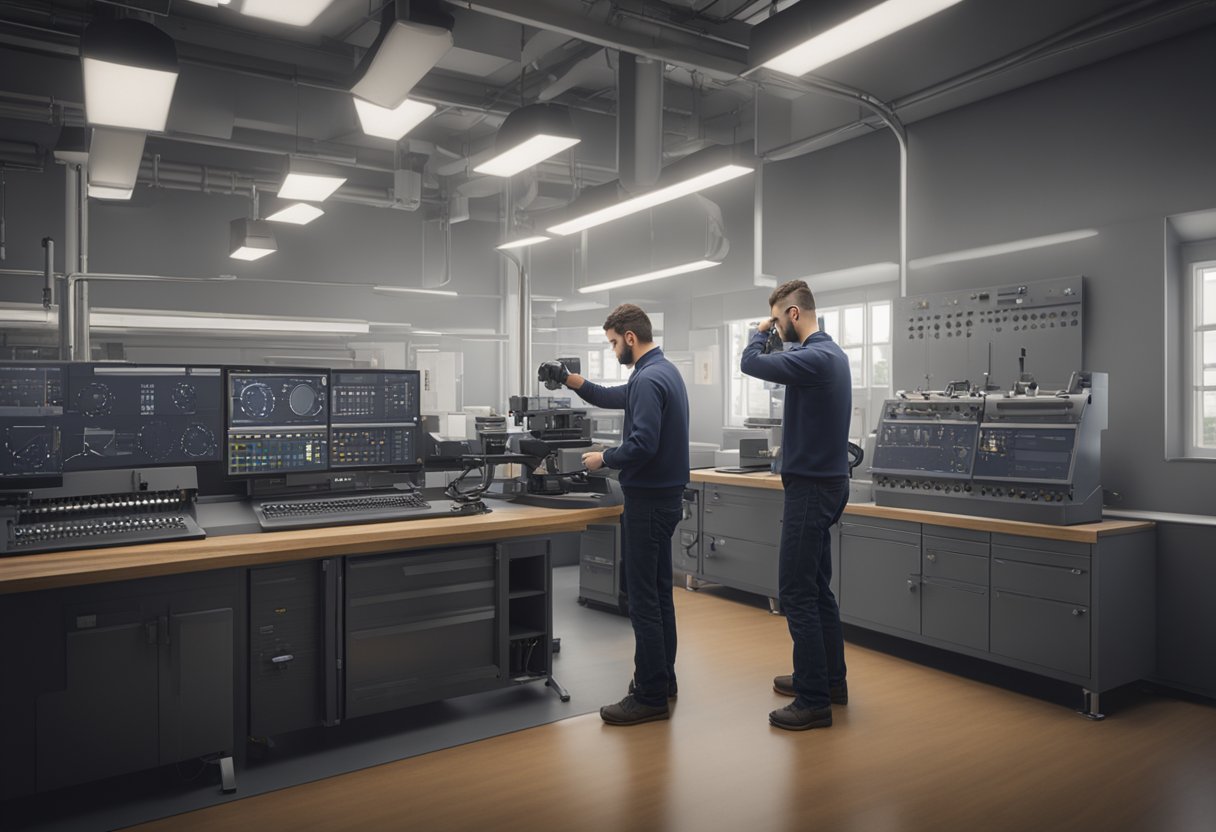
column 654, row 442
column 818, row 402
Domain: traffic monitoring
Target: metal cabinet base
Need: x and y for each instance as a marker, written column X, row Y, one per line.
column 600, row 574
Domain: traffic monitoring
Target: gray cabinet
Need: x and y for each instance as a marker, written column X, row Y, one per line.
column 880, row 573
column 954, row 586
column 686, row 542
column 740, row 537
column 601, row 578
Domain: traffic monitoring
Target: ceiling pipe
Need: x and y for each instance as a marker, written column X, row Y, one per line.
column 639, row 122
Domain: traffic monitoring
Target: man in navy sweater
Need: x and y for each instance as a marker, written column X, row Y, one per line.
column 653, row 461
column 814, row 473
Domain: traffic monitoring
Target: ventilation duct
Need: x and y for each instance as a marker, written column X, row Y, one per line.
column 639, row 153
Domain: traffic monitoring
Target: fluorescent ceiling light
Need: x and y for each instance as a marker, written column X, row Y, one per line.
column 391, row 123
column 291, row 12
column 250, row 239
column 684, row 268
column 870, row 26
column 447, row 293
column 522, row 242
column 135, row 320
column 525, row 154
column 130, row 71
column 406, row 51
column 1003, row 248
column 651, row 198
column 580, row 306
column 301, row 213
column 866, row 275
column 425, row 332
column 309, row 180
column 426, row 349
column 546, row 299
column 106, row 192
column 212, row 3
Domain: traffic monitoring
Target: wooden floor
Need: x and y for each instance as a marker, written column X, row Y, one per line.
column 916, row 749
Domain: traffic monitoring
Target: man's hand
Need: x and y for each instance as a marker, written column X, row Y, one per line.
column 766, row 325
column 593, row 461
column 552, row 374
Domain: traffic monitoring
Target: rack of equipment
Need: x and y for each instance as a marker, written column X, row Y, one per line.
column 1019, row 455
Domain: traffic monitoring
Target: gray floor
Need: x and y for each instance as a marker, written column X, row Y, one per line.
column 594, row 665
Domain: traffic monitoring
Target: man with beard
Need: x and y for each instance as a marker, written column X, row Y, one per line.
column 814, row 473
column 653, row 461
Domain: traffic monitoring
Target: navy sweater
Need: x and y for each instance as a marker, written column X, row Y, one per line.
column 654, row 442
column 818, row 402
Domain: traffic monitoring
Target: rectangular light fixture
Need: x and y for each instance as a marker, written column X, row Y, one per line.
column 391, row 123
column 250, row 239
column 130, row 72
column 684, row 268
column 114, row 159
column 425, row 332
column 523, row 242
column 135, row 320
column 291, row 12
column 835, row 34
column 650, row 199
column 406, row 51
column 32, row 315
column 310, row 180
column 1002, row 248
column 410, row 290
column 525, row 154
column 301, row 213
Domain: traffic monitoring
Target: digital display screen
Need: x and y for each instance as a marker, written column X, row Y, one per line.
column 1025, row 453
column 130, row 415
column 374, row 419
column 908, row 446
column 266, row 452
column 383, row 396
column 277, row 398
column 31, row 417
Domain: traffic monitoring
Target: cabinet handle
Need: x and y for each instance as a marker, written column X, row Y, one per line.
column 912, row 584
column 286, row 657
column 1078, row 611
column 931, row 557
column 709, row 511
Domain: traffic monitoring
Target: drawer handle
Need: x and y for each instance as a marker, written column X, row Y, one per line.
column 1077, row 611
column 709, row 511
column 912, row 584
column 283, row 659
column 1070, row 570
column 932, row 557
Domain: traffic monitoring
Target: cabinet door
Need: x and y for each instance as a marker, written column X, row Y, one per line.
column 954, row 612
column 196, row 684
column 743, row 513
column 881, row 581
column 287, row 611
column 599, row 549
column 104, row 721
column 1040, row 631
column 741, row 564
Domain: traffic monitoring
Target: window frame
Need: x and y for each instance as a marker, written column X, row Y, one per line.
column 1193, row 361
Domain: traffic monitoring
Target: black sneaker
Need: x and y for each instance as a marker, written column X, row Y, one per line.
column 630, row 711
column 793, row 718
column 839, row 694
column 672, row 689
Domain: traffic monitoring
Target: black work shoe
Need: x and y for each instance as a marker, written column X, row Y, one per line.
column 672, row 689
column 793, row 718
column 630, row 711
column 839, row 694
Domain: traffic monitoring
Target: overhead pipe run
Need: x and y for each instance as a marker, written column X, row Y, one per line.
column 639, row 124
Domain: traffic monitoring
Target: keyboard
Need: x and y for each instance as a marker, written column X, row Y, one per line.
column 277, row 515
column 91, row 532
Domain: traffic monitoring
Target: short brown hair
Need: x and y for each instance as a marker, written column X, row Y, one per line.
column 630, row 318
column 798, row 293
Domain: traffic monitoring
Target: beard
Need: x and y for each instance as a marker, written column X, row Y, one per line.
column 788, row 333
column 626, row 356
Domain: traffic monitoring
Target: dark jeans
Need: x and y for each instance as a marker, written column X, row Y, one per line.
column 812, row 506
column 650, row 519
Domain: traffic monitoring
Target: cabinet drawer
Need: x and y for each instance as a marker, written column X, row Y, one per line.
column 1039, row 544
column 879, row 529
column 956, row 544
column 1058, row 577
column 955, row 566
column 743, row 516
column 954, row 612
column 1046, row 633
column 956, row 534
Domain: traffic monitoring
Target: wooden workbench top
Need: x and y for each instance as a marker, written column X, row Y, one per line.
column 1082, row 533
column 28, row 573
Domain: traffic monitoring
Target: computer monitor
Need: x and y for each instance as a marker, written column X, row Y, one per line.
column 374, row 420
column 31, row 421
column 140, row 415
column 277, row 421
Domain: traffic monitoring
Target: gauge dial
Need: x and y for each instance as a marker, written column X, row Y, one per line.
column 185, row 397
column 95, row 399
column 305, row 401
column 198, row 441
column 257, row 400
column 157, row 440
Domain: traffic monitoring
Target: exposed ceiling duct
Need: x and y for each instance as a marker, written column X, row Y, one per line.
column 639, row 122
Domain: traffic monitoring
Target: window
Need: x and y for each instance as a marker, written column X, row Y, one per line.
column 863, row 331
column 1201, row 359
